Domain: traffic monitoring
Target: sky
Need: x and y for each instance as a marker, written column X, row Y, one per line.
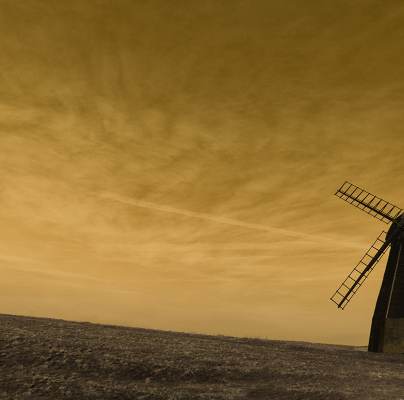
column 172, row 165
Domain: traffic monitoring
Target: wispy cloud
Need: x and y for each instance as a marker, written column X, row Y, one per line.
column 210, row 167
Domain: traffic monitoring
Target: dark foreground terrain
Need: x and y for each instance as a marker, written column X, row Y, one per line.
column 53, row 359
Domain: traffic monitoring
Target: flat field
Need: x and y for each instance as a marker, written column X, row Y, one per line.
column 54, row 359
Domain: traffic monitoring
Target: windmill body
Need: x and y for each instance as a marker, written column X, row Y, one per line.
column 387, row 329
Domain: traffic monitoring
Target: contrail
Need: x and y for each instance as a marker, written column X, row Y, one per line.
column 12, row 263
column 227, row 221
column 69, row 278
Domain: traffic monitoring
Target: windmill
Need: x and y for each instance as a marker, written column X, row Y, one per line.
column 387, row 329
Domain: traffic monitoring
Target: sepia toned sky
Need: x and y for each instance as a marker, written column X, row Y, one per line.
column 172, row 165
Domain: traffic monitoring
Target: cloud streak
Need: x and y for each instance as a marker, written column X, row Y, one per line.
column 228, row 221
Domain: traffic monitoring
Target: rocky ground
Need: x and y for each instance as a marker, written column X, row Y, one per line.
column 54, row 359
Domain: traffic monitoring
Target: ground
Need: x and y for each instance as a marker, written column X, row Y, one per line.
column 54, row 359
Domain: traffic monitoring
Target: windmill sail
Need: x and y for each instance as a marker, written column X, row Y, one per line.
column 368, row 202
column 358, row 275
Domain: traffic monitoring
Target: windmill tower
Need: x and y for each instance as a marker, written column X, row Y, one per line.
column 387, row 330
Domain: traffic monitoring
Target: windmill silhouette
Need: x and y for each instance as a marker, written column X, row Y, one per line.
column 387, row 330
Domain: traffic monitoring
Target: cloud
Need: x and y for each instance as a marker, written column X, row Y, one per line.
column 192, row 153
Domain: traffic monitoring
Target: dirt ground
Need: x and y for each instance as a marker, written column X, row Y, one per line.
column 54, row 359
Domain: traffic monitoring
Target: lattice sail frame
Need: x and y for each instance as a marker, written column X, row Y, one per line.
column 359, row 274
column 368, row 202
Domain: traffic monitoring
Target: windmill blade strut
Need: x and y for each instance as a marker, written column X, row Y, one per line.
column 368, row 202
column 358, row 275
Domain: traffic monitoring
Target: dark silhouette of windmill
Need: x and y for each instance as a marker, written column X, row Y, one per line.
column 387, row 330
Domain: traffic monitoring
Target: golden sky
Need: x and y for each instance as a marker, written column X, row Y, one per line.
column 172, row 164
